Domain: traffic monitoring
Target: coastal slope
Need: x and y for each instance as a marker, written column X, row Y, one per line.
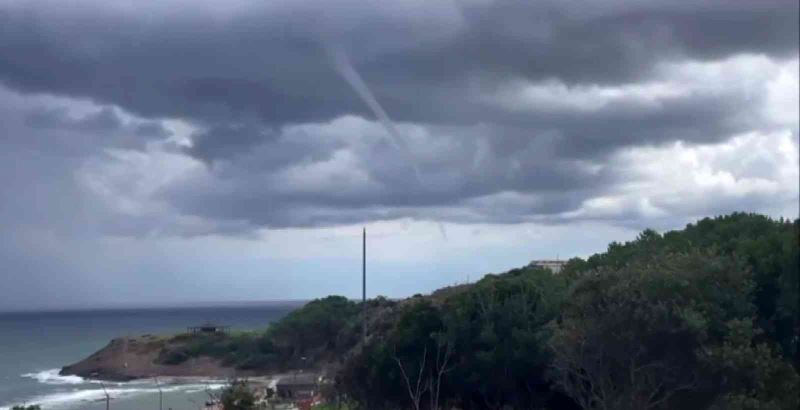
column 130, row 358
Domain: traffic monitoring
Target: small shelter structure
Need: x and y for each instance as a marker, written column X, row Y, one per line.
column 297, row 386
column 208, row 328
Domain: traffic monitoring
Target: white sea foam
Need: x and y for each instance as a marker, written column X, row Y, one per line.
column 51, row 376
column 92, row 392
column 60, row 399
column 207, row 387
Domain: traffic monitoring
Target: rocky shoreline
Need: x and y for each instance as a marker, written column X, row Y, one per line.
column 130, row 358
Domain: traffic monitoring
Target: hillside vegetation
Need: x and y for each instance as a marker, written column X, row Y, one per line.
column 319, row 332
column 701, row 318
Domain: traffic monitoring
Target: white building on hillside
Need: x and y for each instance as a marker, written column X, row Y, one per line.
column 554, row 265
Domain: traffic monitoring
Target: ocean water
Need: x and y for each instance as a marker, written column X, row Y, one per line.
column 35, row 345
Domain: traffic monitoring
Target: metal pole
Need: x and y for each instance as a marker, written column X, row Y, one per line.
column 160, row 395
column 364, row 282
column 108, row 398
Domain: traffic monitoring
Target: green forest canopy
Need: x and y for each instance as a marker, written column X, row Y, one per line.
column 700, row 318
column 704, row 317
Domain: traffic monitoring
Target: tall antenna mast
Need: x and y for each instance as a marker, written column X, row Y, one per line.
column 364, row 281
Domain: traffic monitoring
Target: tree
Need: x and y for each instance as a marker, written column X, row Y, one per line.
column 405, row 367
column 659, row 333
column 769, row 248
column 430, row 376
column 317, row 324
column 500, row 333
column 483, row 346
column 238, row 396
column 702, row 318
column 417, row 386
column 755, row 377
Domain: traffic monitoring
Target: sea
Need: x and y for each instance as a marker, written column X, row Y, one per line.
column 35, row 345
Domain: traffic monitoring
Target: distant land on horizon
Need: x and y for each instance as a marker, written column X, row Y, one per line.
column 174, row 305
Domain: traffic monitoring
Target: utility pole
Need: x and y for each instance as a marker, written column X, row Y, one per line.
column 364, row 281
column 160, row 395
column 105, row 392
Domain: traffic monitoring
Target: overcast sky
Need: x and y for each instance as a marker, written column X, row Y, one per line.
column 188, row 151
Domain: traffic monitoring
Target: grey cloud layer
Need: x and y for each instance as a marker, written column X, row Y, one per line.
column 268, row 62
column 281, row 133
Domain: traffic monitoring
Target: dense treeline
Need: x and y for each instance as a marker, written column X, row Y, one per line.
column 322, row 330
column 482, row 347
column 702, row 318
column 767, row 248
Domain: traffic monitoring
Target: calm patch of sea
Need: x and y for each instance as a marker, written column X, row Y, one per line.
column 34, row 346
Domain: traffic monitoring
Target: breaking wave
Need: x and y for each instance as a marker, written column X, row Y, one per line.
column 52, row 377
column 85, row 391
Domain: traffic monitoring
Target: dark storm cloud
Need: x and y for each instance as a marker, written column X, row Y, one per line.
column 151, row 129
column 615, row 41
column 102, row 120
column 268, row 61
column 84, row 133
column 265, row 99
column 459, row 169
column 35, row 167
column 105, row 121
column 695, row 118
column 141, row 141
column 226, row 140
